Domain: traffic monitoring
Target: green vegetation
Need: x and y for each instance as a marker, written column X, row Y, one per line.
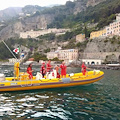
column 47, row 50
column 38, row 57
column 4, row 52
column 50, row 36
column 29, row 42
column 103, row 14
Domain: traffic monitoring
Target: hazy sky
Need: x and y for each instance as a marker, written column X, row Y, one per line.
column 21, row 3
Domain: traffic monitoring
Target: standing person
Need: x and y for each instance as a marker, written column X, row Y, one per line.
column 43, row 71
column 48, row 66
column 83, row 68
column 29, row 71
column 63, row 69
column 57, row 69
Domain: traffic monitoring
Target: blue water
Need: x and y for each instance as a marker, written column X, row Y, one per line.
column 97, row 101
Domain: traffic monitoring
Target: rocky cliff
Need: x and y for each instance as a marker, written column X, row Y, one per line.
column 26, row 24
column 103, row 48
column 9, row 13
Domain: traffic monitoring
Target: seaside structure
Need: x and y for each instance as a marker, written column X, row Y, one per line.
column 92, row 61
column 68, row 55
column 111, row 30
column 34, row 34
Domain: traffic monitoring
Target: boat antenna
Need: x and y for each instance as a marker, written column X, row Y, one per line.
column 9, row 49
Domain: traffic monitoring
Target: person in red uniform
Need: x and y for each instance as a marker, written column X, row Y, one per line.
column 48, row 66
column 83, row 68
column 63, row 69
column 57, row 71
column 43, row 70
column 29, row 71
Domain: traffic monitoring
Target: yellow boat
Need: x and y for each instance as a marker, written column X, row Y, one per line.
column 21, row 81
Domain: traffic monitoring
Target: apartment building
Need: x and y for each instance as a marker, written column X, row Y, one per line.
column 100, row 33
column 114, row 28
column 111, row 30
column 68, row 55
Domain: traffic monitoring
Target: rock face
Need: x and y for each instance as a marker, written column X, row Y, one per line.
column 38, row 22
column 9, row 13
column 81, row 5
column 93, row 2
column 103, row 48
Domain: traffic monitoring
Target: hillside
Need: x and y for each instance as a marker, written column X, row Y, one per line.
column 82, row 16
column 57, row 16
column 9, row 13
column 102, row 13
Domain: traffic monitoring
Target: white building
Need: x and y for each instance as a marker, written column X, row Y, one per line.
column 114, row 28
column 92, row 61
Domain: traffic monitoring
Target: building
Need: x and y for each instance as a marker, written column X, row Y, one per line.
column 80, row 38
column 111, row 30
column 100, row 33
column 92, row 61
column 51, row 55
column 114, row 28
column 68, row 55
column 34, row 34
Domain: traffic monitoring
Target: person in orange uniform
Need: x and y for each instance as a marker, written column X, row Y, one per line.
column 43, row 70
column 48, row 66
column 29, row 71
column 63, row 69
column 83, row 68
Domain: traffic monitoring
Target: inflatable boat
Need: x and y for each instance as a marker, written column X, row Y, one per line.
column 20, row 80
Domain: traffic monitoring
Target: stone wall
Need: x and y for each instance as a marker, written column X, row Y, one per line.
column 101, row 55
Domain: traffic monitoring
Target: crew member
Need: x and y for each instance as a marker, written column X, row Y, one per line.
column 57, row 71
column 43, row 70
column 83, row 68
column 29, row 71
column 63, row 69
column 48, row 66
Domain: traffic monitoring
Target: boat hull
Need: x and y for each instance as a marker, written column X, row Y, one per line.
column 76, row 80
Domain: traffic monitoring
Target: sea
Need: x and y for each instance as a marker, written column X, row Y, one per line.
column 97, row 101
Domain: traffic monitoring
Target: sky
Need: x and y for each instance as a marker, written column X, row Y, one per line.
column 21, row 3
